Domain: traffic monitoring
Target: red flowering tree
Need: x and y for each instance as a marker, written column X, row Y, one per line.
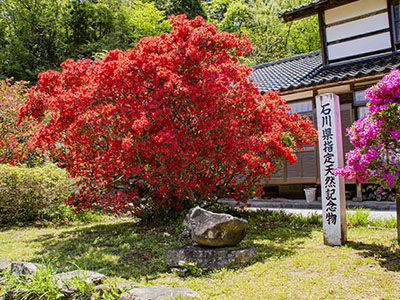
column 12, row 146
column 170, row 124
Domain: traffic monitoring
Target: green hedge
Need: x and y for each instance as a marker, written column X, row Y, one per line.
column 34, row 194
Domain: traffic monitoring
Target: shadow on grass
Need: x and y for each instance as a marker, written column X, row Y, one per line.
column 277, row 234
column 134, row 250
column 387, row 257
column 126, row 249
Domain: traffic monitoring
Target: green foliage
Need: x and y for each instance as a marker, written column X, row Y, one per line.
column 141, row 19
column 37, row 35
column 191, row 8
column 390, row 222
column 41, row 285
column 358, row 218
column 34, row 194
column 361, row 217
column 114, row 293
column 33, row 37
column 260, row 21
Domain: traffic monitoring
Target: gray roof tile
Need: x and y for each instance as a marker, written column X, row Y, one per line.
column 307, row 70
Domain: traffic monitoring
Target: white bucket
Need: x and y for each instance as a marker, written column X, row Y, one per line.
column 311, row 194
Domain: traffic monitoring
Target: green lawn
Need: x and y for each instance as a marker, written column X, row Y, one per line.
column 293, row 263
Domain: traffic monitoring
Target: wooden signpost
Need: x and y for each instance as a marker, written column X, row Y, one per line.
column 330, row 157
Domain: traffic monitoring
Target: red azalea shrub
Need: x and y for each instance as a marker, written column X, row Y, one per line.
column 173, row 123
column 12, row 146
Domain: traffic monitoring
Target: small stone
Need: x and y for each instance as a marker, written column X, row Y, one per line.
column 158, row 293
column 206, row 258
column 214, row 230
column 65, row 280
column 24, row 268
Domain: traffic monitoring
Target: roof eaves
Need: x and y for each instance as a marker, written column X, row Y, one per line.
column 287, row 59
column 310, row 9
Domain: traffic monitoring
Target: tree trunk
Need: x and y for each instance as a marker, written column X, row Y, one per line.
column 397, row 196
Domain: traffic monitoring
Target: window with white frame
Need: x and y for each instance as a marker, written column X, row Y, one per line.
column 304, row 108
column 360, row 102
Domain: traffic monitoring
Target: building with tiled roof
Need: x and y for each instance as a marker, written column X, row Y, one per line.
column 360, row 43
column 306, row 71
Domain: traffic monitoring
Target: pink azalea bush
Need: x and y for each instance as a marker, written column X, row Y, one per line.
column 376, row 137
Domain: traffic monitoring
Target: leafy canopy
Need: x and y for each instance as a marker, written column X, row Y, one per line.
column 172, row 123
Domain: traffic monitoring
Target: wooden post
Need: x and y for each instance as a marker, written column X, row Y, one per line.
column 330, row 157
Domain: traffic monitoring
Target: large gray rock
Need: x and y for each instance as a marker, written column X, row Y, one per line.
column 24, row 268
column 206, row 258
column 65, row 281
column 157, row 293
column 214, row 230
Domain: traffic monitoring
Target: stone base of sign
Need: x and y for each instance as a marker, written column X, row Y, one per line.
column 207, row 258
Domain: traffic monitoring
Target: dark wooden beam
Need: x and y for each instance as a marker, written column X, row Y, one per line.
column 312, row 9
column 322, row 37
column 392, row 26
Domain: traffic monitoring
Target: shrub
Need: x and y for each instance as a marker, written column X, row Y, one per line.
column 34, row 194
column 173, row 123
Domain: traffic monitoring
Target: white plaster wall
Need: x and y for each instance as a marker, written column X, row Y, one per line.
column 335, row 90
column 360, row 46
column 297, row 96
column 357, row 27
column 353, row 9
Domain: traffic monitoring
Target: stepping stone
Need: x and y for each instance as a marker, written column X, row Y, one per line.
column 24, row 268
column 65, row 280
column 206, row 258
column 158, row 293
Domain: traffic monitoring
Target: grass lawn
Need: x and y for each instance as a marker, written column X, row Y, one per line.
column 292, row 263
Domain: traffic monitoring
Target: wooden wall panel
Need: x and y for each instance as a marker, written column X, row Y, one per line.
column 309, row 164
column 353, row 9
column 295, row 169
column 357, row 27
column 359, row 46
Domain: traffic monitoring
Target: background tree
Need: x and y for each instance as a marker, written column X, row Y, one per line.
column 376, row 156
column 37, row 35
column 141, row 19
column 259, row 20
column 12, row 146
column 32, row 40
column 175, row 121
column 191, row 8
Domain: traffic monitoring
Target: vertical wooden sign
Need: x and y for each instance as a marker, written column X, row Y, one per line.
column 330, row 157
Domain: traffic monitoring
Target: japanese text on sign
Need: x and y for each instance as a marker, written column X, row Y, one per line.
column 328, row 156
